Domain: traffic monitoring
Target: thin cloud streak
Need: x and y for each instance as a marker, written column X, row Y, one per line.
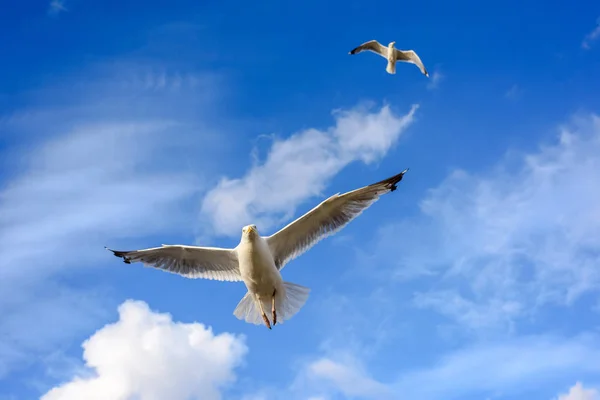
column 591, row 37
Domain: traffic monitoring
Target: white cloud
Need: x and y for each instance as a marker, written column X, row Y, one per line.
column 471, row 314
column 534, row 361
column 90, row 180
column 348, row 378
column 299, row 167
column 147, row 356
column 74, row 194
column 524, row 235
column 592, row 36
column 94, row 171
column 56, row 7
column 511, row 367
column 578, row 392
column 434, row 81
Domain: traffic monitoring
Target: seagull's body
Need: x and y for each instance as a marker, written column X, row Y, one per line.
column 391, row 54
column 258, row 260
column 261, row 276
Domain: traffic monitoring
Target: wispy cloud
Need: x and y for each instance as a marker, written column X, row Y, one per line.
column 56, row 7
column 592, row 36
column 434, row 81
column 146, row 355
column 471, row 314
column 578, row 392
column 513, row 367
column 348, row 378
column 309, row 159
column 88, row 179
column 513, row 93
column 523, row 235
column 76, row 192
column 91, row 172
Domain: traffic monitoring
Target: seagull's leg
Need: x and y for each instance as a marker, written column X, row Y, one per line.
column 273, row 308
column 267, row 323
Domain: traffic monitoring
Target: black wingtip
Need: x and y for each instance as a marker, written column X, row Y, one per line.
column 120, row 254
column 392, row 182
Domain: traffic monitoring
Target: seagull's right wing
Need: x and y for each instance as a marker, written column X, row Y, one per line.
column 189, row 261
column 372, row 45
column 411, row 57
column 325, row 219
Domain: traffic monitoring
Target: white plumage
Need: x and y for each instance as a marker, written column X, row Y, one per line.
column 257, row 260
column 391, row 54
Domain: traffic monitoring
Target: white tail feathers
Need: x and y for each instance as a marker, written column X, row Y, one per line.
column 391, row 67
column 287, row 303
column 247, row 310
column 291, row 301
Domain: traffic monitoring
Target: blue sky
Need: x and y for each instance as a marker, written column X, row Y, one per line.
column 131, row 124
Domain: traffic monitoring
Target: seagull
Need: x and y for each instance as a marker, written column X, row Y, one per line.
column 391, row 54
column 258, row 260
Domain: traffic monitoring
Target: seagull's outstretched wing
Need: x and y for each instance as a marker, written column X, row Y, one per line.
column 188, row 261
column 411, row 57
column 372, row 45
column 326, row 219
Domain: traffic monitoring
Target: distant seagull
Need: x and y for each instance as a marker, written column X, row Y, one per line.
column 258, row 260
column 392, row 55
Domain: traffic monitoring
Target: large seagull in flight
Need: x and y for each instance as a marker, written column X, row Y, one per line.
column 258, row 260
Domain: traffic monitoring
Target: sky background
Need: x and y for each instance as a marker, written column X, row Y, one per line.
column 130, row 124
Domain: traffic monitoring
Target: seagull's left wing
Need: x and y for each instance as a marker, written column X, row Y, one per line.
column 189, row 261
column 325, row 219
column 371, row 45
column 411, row 57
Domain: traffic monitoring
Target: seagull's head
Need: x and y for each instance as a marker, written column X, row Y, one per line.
column 392, row 44
column 249, row 231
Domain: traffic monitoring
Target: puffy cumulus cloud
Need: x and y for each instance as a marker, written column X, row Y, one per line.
column 309, row 159
column 147, row 356
column 578, row 392
column 523, row 235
